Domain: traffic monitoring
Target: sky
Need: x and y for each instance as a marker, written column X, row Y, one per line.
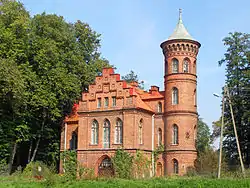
column 132, row 31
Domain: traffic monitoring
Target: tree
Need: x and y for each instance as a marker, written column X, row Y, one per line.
column 132, row 77
column 203, row 136
column 45, row 65
column 237, row 62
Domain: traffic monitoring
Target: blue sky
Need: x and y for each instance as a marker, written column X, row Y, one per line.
column 132, row 31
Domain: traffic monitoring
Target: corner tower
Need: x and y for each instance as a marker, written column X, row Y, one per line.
column 180, row 118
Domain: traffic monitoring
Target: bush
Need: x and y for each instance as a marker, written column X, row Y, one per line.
column 3, row 168
column 123, row 164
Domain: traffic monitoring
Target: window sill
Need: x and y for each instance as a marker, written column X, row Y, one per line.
column 174, row 144
column 93, row 144
column 117, row 144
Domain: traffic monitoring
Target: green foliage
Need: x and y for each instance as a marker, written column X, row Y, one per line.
column 123, row 164
column 203, row 136
column 237, row 62
column 45, row 64
column 154, row 183
column 207, row 163
column 70, row 164
column 132, row 77
column 141, row 165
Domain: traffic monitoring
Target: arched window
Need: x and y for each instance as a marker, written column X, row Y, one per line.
column 195, row 100
column 175, row 166
column 118, row 131
column 186, row 66
column 106, row 134
column 159, row 136
column 140, row 132
column 175, row 66
column 73, row 141
column 175, row 96
column 159, row 107
column 175, row 134
column 195, row 133
column 94, row 132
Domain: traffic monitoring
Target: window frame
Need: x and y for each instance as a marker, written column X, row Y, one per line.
column 94, row 132
column 175, row 134
column 175, row 66
column 175, row 96
column 118, row 132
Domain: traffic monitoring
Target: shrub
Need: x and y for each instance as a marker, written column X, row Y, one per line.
column 3, row 168
column 123, row 164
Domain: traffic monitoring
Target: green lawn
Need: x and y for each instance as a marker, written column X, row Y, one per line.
column 162, row 182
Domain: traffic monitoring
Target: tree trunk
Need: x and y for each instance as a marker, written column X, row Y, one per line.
column 12, row 157
column 30, row 149
column 37, row 143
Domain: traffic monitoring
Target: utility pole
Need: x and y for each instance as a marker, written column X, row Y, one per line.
column 235, row 131
column 221, row 132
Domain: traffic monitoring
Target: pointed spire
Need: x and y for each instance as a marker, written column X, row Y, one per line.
column 180, row 31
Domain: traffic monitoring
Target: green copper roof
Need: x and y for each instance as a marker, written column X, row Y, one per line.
column 180, row 31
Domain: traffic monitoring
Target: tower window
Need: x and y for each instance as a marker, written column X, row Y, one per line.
column 175, row 134
column 175, row 66
column 195, row 100
column 175, row 96
column 175, row 166
column 186, row 66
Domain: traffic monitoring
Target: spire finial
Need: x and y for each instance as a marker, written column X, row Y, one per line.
column 180, row 14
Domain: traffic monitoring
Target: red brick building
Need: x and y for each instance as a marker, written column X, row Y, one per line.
column 115, row 114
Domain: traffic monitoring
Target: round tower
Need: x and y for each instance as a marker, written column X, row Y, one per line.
column 180, row 117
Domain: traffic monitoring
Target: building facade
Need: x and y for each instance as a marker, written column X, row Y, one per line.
column 114, row 114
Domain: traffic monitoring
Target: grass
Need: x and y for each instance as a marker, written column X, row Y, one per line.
column 58, row 182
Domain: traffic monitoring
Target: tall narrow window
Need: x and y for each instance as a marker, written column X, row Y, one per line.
column 106, row 101
column 159, row 136
column 175, row 166
column 118, row 132
column 175, row 96
column 175, row 134
column 73, row 141
column 159, row 108
column 113, row 101
column 140, row 132
column 195, row 100
column 186, row 66
column 99, row 103
column 175, row 66
column 94, row 132
column 106, row 134
column 166, row 67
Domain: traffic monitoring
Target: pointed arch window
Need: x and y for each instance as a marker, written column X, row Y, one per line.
column 175, row 134
column 186, row 66
column 140, row 132
column 175, row 96
column 175, row 166
column 106, row 134
column 73, row 141
column 175, row 66
column 118, row 132
column 159, row 136
column 159, row 107
column 94, row 132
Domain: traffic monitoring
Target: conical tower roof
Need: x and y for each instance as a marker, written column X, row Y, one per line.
column 180, row 31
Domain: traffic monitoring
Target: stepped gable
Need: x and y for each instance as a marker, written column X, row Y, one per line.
column 109, row 84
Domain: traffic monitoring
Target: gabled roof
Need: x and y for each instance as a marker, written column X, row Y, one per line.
column 180, row 31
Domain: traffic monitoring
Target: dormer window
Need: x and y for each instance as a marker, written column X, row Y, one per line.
column 106, row 102
column 99, row 103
